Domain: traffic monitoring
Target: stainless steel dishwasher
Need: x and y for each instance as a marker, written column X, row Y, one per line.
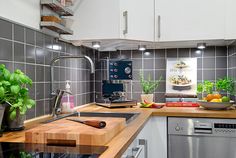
column 201, row 138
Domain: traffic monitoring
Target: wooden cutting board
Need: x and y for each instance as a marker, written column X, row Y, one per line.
column 67, row 132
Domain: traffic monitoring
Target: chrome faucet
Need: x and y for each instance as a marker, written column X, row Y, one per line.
column 57, row 95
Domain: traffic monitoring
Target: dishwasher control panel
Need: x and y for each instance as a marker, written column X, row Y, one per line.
column 202, row 126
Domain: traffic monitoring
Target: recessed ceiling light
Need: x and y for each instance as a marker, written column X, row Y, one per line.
column 201, row 45
column 142, row 47
column 96, row 44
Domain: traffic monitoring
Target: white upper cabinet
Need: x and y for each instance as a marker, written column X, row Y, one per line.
column 230, row 19
column 189, row 20
column 113, row 19
column 137, row 19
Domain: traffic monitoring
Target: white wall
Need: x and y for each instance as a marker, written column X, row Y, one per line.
column 26, row 12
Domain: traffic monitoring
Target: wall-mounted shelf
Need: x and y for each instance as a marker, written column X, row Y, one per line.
column 56, row 27
column 57, row 7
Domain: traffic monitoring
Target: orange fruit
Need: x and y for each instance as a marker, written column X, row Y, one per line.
column 217, row 96
column 209, row 97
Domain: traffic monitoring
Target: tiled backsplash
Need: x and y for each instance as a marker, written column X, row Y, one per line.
column 32, row 51
column 232, row 64
column 211, row 64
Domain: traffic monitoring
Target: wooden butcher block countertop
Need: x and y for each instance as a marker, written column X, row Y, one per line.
column 122, row 140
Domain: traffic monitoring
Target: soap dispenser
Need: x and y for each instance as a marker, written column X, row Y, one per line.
column 68, row 100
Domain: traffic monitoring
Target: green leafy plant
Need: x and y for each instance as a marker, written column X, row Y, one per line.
column 13, row 91
column 225, row 84
column 206, row 86
column 149, row 86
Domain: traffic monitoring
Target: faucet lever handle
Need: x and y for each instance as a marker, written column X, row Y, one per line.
column 61, row 92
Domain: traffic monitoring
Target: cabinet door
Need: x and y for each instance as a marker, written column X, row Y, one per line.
column 137, row 16
column 190, row 20
column 96, row 20
column 230, row 21
column 157, row 143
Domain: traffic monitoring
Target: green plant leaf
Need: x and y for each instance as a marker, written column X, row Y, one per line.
column 15, row 89
column 2, row 92
column 13, row 114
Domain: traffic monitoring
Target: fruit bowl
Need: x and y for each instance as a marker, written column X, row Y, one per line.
column 215, row 105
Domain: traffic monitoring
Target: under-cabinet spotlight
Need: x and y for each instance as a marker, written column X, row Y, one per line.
column 96, row 44
column 201, row 45
column 142, row 47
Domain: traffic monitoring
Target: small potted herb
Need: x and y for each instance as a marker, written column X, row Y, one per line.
column 15, row 95
column 148, row 87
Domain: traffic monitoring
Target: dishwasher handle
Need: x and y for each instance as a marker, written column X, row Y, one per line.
column 202, row 128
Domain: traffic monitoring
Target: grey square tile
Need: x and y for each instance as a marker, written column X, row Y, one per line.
column 47, row 74
column 137, row 96
column 136, row 54
column 161, row 87
column 221, row 51
column 160, row 63
column 221, row 73
column 160, row 53
column 30, row 36
column 39, row 108
column 231, row 49
column 48, row 41
column 199, row 75
column 148, row 63
column 19, row 33
column 47, row 57
column 47, row 92
column 39, row 39
column 183, row 52
column 30, row 71
column 209, row 51
column 137, row 64
column 136, row 87
column 196, row 52
column 39, row 91
column 172, row 53
column 136, row 75
column 208, row 63
column 30, row 54
column 19, row 52
column 199, row 63
column 126, row 54
column 47, row 107
column 160, row 73
column 221, row 62
column 39, row 52
column 39, row 73
column 30, row 113
column 6, row 50
column 5, row 29
column 208, row 74
column 159, row 97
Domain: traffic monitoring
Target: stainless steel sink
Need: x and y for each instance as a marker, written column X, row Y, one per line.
column 128, row 116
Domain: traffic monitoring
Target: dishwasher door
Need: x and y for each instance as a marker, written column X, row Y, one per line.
column 201, row 147
column 201, row 138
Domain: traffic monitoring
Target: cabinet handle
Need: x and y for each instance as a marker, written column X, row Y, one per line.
column 145, row 145
column 142, row 145
column 125, row 15
column 159, row 26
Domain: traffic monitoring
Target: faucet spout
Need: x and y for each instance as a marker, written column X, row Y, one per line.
column 92, row 66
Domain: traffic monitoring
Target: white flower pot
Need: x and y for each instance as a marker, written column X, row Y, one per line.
column 147, row 97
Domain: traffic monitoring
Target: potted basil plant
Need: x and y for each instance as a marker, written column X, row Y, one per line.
column 148, row 86
column 14, row 94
